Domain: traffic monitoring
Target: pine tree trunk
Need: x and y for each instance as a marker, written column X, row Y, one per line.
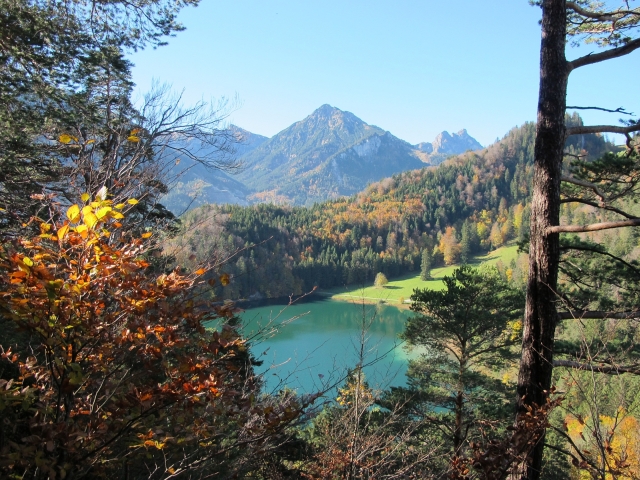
column 541, row 315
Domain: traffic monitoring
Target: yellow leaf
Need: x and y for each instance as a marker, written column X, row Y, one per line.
column 84, row 197
column 135, row 131
column 87, row 210
column 82, row 230
column 120, row 206
column 132, row 201
column 62, row 232
column 224, row 279
column 73, row 213
column 27, row 261
column 117, row 215
column 147, row 234
column 89, row 142
column 133, row 138
column 90, row 220
column 64, row 138
column 102, row 212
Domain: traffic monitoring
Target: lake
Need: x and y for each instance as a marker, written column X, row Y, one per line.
column 310, row 346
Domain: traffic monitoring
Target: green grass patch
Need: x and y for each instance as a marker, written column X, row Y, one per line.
column 402, row 287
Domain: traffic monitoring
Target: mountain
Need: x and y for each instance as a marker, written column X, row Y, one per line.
column 446, row 145
column 329, row 154
column 195, row 184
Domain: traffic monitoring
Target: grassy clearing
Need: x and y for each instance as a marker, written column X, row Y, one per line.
column 402, row 287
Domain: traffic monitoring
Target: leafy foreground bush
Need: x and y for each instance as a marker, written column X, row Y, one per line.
column 116, row 376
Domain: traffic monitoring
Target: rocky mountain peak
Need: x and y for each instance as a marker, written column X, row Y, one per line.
column 449, row 144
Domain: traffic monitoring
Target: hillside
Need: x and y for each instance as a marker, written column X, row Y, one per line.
column 470, row 204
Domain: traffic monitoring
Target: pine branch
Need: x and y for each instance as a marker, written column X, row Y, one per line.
column 603, row 17
column 602, row 56
column 594, row 227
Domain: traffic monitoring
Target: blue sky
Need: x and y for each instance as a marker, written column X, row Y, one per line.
column 414, row 68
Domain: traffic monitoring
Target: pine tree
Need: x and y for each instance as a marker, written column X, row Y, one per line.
column 469, row 323
column 425, row 265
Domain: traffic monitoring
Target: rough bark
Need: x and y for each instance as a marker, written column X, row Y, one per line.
column 536, row 365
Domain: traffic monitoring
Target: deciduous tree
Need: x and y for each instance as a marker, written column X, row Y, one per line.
column 121, row 377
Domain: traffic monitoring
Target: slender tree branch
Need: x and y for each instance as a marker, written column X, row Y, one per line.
column 583, row 248
column 595, row 314
column 602, row 129
column 585, row 184
column 617, row 110
column 602, row 56
column 608, row 16
column 597, row 205
column 594, row 227
column 608, row 369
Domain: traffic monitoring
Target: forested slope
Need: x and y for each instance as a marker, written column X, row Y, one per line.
column 473, row 202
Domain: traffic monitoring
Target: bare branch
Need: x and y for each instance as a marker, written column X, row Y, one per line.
column 603, row 129
column 594, row 315
column 617, row 110
column 602, row 56
column 594, row 227
column 585, row 184
column 601, row 252
column 608, row 369
column 596, row 205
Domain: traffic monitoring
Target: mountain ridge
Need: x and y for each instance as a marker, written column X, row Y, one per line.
column 331, row 153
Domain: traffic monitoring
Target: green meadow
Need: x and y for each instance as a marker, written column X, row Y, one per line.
column 401, row 288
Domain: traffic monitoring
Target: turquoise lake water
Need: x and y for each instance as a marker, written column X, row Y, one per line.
column 310, row 346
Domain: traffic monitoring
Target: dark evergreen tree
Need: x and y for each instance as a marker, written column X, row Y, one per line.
column 468, row 325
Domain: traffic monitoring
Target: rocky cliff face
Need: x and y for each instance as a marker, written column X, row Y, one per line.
column 329, row 154
column 446, row 144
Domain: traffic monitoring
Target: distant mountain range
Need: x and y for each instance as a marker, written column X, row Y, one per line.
column 329, row 154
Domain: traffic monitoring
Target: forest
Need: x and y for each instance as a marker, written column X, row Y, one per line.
column 473, row 203
column 121, row 351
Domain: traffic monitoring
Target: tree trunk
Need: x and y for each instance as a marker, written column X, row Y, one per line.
column 457, row 432
column 541, row 315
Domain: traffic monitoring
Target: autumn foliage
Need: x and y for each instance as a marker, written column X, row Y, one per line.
column 120, row 377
